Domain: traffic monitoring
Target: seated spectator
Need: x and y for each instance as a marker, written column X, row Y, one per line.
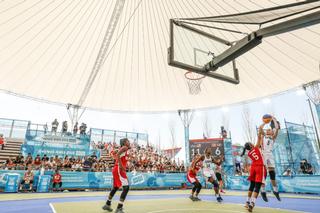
column 2, row 141
column 37, row 162
column 10, row 165
column 94, row 156
column 57, row 181
column 45, row 158
column 87, row 164
column 27, row 179
column 306, row 167
column 19, row 161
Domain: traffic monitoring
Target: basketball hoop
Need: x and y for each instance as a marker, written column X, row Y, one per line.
column 194, row 82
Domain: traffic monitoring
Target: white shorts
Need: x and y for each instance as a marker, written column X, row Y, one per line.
column 209, row 173
column 268, row 160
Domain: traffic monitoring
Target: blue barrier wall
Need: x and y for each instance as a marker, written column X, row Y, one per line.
column 101, row 180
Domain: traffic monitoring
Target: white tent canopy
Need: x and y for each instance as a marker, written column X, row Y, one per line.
column 48, row 49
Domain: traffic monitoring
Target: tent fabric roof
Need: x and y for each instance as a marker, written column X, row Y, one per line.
column 48, row 48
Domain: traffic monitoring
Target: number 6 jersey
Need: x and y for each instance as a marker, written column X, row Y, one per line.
column 256, row 157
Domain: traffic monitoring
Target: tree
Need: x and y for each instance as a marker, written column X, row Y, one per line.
column 249, row 129
column 172, row 132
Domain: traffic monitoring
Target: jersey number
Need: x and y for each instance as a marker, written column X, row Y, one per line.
column 195, row 151
column 255, row 156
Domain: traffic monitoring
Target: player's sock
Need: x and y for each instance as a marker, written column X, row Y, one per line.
column 275, row 188
column 108, row 202
column 253, row 200
column 248, row 199
column 120, row 205
column 263, row 189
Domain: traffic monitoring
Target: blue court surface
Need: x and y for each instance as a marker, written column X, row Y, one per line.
column 152, row 201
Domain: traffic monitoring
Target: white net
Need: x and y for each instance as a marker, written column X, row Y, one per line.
column 313, row 91
column 194, row 81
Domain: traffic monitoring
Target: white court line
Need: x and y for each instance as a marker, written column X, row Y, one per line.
column 207, row 210
column 52, row 208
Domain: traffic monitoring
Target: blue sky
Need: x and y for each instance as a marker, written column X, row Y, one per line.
column 291, row 106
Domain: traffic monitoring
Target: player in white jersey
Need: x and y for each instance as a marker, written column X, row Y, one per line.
column 269, row 138
column 209, row 172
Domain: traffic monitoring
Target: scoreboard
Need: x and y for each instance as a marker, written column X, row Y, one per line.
column 198, row 146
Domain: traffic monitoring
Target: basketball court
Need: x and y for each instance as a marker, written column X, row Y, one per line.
column 153, row 202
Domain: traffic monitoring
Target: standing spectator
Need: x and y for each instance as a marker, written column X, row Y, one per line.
column 27, row 179
column 55, row 125
column 238, row 164
column 2, row 141
column 57, row 181
column 45, row 128
column 83, row 129
column 75, row 129
column 64, row 127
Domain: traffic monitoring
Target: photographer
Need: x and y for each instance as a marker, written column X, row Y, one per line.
column 306, row 167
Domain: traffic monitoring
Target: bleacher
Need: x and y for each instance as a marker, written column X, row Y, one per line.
column 11, row 150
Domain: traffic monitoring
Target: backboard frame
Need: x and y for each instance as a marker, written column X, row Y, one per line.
column 197, row 69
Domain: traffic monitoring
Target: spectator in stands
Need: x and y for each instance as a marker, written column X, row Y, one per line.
column 55, row 125
column 75, row 129
column 306, row 167
column 64, row 127
column 29, row 160
column 287, row 172
column 37, row 162
column 94, row 156
column 10, row 165
column 2, row 141
column 57, row 181
column 87, row 164
column 19, row 161
column 238, row 164
column 45, row 128
column 27, row 179
column 83, row 129
column 45, row 158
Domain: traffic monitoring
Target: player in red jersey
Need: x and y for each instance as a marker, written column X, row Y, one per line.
column 257, row 171
column 119, row 176
column 192, row 177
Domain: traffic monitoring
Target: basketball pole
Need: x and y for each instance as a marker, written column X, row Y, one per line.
column 186, row 117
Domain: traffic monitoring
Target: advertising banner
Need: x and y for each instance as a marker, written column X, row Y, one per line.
column 12, row 183
column 44, row 183
column 9, row 181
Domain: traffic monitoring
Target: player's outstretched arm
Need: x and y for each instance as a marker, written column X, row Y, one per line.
column 276, row 124
column 121, row 150
column 260, row 136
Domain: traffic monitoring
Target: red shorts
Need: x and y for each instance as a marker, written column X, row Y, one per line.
column 258, row 173
column 119, row 177
column 191, row 177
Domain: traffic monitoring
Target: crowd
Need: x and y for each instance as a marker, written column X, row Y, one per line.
column 141, row 158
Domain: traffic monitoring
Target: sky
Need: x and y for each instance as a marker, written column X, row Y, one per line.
column 291, row 106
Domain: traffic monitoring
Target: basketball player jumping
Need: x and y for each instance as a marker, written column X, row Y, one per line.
column 209, row 172
column 119, row 176
column 269, row 137
column 192, row 177
column 257, row 171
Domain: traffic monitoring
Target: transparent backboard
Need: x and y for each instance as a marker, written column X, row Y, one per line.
column 193, row 49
